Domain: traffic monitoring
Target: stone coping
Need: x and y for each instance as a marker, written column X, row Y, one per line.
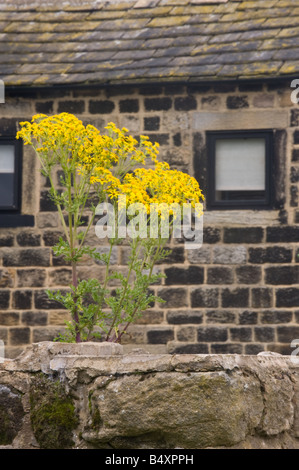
column 107, row 358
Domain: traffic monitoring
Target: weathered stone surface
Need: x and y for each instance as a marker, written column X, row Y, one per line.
column 142, row 400
column 11, row 414
column 192, row 405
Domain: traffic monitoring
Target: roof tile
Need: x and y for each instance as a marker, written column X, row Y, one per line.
column 252, row 69
column 289, row 67
column 118, row 41
column 168, row 21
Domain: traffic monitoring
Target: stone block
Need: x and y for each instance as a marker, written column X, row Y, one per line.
column 157, row 104
column 187, row 103
column 229, row 255
column 204, row 297
column 31, row 277
column 6, row 240
column 243, row 235
column 71, row 106
column 237, row 102
column 212, row 334
column 264, row 334
column 242, row 334
column 26, row 257
column 235, row 297
column 220, row 316
column 44, row 107
column 219, row 348
column 179, row 317
column 263, row 100
column 28, row 239
column 240, row 119
column 200, row 256
column 47, row 219
column 287, row 297
column 191, row 275
column 174, row 297
column 129, row 106
column 160, row 335
column 186, row 333
column 248, row 274
column 60, row 277
column 46, row 204
column 273, row 254
column 152, row 123
column 261, row 297
column 6, row 278
column 248, row 318
column 9, row 318
column 220, row 275
column 4, row 299
column 22, row 299
column 286, row 334
column 19, row 335
column 34, row 318
column 101, row 106
column 276, row 316
column 283, row 234
column 161, row 139
column 211, row 235
column 282, row 275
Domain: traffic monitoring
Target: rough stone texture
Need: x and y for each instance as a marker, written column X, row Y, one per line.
column 142, row 400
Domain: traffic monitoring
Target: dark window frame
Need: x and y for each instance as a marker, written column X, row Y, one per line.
column 17, row 186
column 12, row 216
column 267, row 201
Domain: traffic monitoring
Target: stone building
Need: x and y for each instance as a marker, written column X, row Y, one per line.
column 213, row 81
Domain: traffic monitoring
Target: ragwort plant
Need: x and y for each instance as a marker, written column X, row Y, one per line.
column 102, row 168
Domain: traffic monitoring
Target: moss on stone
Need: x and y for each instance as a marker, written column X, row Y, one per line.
column 96, row 418
column 6, row 435
column 53, row 416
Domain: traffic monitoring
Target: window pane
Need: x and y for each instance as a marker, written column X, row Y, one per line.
column 240, row 165
column 7, row 176
column 7, row 158
column 6, row 189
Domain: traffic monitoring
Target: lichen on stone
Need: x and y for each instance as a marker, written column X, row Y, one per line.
column 53, row 414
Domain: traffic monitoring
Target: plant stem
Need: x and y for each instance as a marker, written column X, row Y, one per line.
column 155, row 258
column 135, row 256
column 74, row 263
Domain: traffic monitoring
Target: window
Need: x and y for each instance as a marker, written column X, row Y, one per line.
column 10, row 161
column 239, row 166
column 10, row 185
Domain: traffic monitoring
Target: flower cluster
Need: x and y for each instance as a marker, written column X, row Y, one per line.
column 160, row 185
column 109, row 160
column 105, row 158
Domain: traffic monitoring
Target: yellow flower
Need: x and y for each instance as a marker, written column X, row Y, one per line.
column 109, row 160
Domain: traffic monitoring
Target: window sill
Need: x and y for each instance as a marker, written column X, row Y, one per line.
column 241, row 217
column 16, row 220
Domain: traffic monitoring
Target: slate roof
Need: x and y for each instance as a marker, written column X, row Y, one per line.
column 80, row 42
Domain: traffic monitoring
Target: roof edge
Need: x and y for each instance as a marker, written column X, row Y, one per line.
column 152, row 83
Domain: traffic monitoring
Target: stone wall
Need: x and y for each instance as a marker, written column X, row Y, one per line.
column 239, row 293
column 91, row 396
